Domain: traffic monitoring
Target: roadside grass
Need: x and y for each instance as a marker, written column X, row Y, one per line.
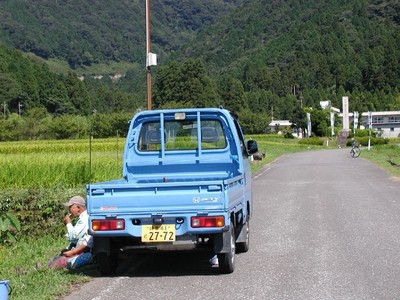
column 24, row 262
column 275, row 146
column 385, row 156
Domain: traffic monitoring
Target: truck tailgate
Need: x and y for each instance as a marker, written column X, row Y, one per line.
column 164, row 197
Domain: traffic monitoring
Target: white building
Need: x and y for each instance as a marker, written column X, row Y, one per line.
column 386, row 123
column 279, row 125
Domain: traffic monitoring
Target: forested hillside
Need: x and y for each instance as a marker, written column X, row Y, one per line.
column 262, row 59
column 90, row 32
column 314, row 49
column 29, row 84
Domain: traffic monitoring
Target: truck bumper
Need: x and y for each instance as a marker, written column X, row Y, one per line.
column 210, row 242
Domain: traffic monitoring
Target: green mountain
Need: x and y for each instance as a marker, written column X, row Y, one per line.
column 273, row 57
column 279, row 57
column 297, row 46
column 91, row 32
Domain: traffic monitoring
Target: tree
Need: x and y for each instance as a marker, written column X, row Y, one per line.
column 10, row 90
column 77, row 93
column 184, row 83
column 67, row 126
column 166, row 84
column 232, row 94
column 255, row 123
column 299, row 118
column 13, row 128
column 320, row 122
column 34, row 118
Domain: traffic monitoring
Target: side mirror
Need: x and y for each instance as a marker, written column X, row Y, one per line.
column 252, row 147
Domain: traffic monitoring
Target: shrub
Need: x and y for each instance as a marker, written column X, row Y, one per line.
column 253, row 123
column 311, row 141
column 362, row 133
column 35, row 211
column 9, row 225
column 364, row 141
column 287, row 133
column 66, row 127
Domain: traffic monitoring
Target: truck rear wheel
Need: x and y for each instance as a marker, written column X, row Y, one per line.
column 107, row 264
column 226, row 261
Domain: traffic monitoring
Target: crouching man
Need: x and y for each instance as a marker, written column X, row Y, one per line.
column 76, row 257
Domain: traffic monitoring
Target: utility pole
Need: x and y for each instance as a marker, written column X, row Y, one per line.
column 151, row 59
column 149, row 100
column 4, row 109
column 19, row 108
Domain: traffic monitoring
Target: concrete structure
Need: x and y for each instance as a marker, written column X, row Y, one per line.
column 345, row 112
column 327, row 105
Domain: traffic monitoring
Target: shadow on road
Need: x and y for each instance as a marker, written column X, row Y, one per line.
column 158, row 264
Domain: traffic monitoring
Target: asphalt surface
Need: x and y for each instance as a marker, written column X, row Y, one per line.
column 324, row 226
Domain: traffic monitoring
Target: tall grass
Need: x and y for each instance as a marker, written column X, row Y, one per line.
column 59, row 163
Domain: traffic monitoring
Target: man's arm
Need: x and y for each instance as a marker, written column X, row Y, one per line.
column 76, row 251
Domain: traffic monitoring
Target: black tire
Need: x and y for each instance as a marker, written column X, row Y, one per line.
column 226, row 261
column 243, row 247
column 107, row 264
column 355, row 152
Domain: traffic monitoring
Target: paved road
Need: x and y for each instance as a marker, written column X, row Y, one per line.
column 325, row 226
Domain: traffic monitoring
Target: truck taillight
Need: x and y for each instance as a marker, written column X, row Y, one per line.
column 103, row 225
column 217, row 221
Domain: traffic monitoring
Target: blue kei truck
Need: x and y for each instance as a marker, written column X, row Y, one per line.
column 186, row 185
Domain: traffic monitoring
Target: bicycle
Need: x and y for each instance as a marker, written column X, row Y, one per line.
column 355, row 149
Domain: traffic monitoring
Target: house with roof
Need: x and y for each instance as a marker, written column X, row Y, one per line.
column 279, row 125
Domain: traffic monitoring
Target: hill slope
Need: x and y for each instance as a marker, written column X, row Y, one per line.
column 90, row 32
column 314, row 43
column 275, row 55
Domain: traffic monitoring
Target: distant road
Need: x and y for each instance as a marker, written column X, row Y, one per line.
column 325, row 226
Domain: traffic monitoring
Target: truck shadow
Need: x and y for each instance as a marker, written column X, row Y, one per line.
column 158, row 264
column 169, row 264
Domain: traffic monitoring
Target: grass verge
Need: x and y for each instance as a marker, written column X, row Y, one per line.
column 385, row 156
column 25, row 265
column 276, row 146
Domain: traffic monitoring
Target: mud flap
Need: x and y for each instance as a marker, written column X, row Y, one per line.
column 222, row 242
column 101, row 245
column 242, row 233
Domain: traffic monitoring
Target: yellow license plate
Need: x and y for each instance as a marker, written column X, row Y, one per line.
column 158, row 233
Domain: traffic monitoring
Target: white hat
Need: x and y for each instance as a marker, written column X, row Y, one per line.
column 78, row 200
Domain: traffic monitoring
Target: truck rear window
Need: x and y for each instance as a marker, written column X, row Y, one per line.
column 182, row 135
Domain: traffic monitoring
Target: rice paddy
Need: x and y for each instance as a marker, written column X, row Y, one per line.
column 67, row 163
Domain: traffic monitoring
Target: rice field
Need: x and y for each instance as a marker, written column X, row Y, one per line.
column 69, row 163
column 63, row 163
